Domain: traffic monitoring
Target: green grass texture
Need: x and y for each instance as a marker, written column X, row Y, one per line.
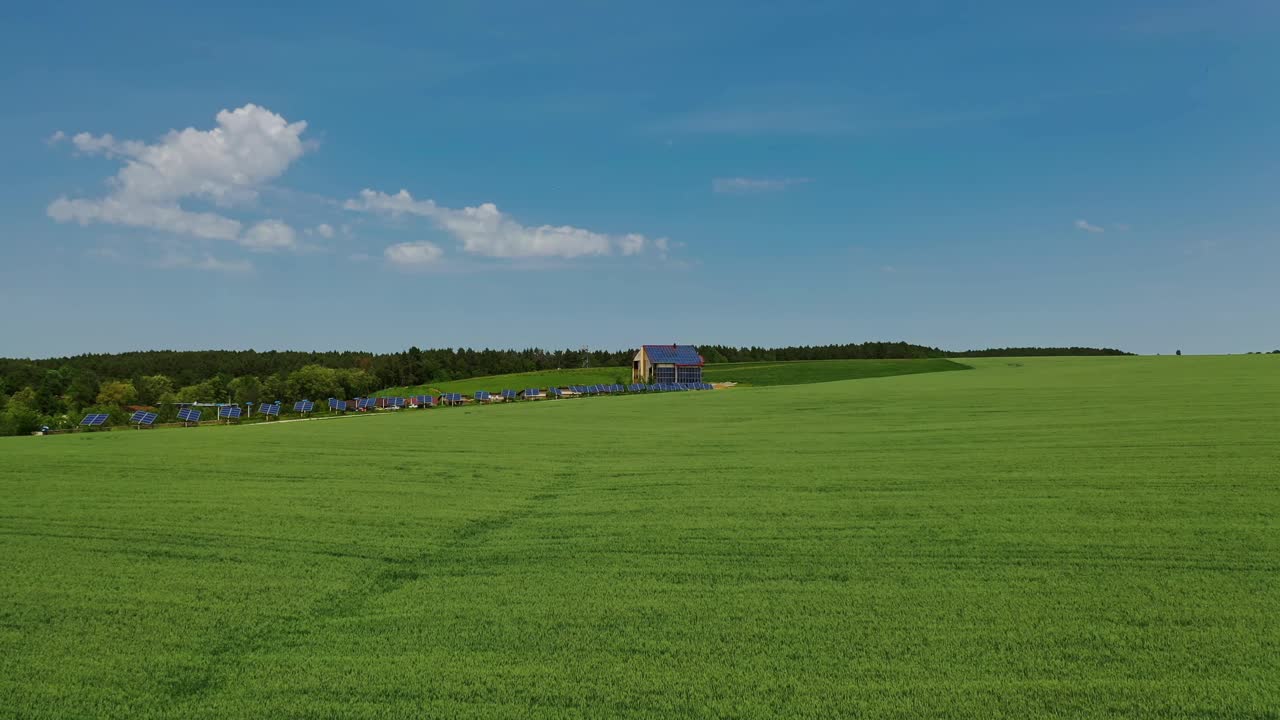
column 1047, row 537
column 816, row 371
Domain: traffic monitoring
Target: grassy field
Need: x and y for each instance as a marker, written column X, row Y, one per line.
column 816, row 371
column 519, row 381
column 762, row 373
column 1035, row 538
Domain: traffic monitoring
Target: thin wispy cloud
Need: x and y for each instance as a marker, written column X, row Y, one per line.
column 413, row 255
column 745, row 185
column 1088, row 227
column 486, row 231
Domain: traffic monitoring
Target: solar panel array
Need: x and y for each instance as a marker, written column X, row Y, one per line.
column 336, row 404
column 421, row 400
column 95, row 419
column 142, row 417
column 229, row 412
column 189, row 415
column 532, row 393
column 483, row 395
column 269, row 409
column 366, row 403
column 555, row 392
column 451, row 398
column 304, row 406
column 509, row 394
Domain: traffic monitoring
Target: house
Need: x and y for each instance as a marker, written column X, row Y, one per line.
column 667, row 364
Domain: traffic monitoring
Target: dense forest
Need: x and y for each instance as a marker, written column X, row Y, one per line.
column 56, row 392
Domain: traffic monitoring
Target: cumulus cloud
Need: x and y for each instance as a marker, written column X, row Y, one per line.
column 1088, row 227
column 324, row 230
column 413, row 254
column 486, row 230
column 225, row 165
column 742, row 185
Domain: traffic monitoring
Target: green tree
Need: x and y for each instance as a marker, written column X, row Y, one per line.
column 84, row 388
column 117, row 393
column 18, row 419
column 48, row 399
column 355, row 383
column 275, row 387
column 151, row 387
column 313, row 382
column 246, row 388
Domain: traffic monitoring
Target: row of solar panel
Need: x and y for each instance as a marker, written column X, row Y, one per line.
column 231, row 412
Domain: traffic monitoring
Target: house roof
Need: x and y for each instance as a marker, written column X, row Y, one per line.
column 673, row 354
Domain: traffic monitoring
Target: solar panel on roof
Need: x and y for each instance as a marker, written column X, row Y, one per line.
column 304, row 406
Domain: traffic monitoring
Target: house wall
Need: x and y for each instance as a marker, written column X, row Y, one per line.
column 641, row 374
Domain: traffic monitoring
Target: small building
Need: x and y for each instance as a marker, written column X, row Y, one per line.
column 667, row 364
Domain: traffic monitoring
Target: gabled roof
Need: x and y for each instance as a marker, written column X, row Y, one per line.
column 674, row 354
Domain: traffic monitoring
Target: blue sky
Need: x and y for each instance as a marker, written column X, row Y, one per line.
column 754, row 173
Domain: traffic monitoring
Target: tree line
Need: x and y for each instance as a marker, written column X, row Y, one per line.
column 57, row 392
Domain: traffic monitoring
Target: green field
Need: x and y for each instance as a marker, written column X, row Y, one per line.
column 816, row 371
column 519, row 381
column 1049, row 537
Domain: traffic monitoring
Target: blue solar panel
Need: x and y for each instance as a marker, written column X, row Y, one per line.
column 304, row 406
column 482, row 395
column 395, row 402
column 189, row 415
column 532, row 392
column 366, row 403
column 509, row 394
column 229, row 412
column 269, row 409
column 675, row 354
column 142, row 417
column 94, row 419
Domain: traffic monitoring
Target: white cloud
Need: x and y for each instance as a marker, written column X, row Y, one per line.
column 225, row 165
column 1086, row 226
column 485, row 230
column 413, row 254
column 741, row 185
column 324, row 230
column 123, row 211
column 270, row 235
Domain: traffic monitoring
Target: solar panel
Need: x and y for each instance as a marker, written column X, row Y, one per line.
column 366, row 403
column 94, row 420
column 532, row 392
column 142, row 417
column 304, row 406
column 189, row 415
column 482, row 395
column 269, row 409
column 509, row 394
column 229, row 412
